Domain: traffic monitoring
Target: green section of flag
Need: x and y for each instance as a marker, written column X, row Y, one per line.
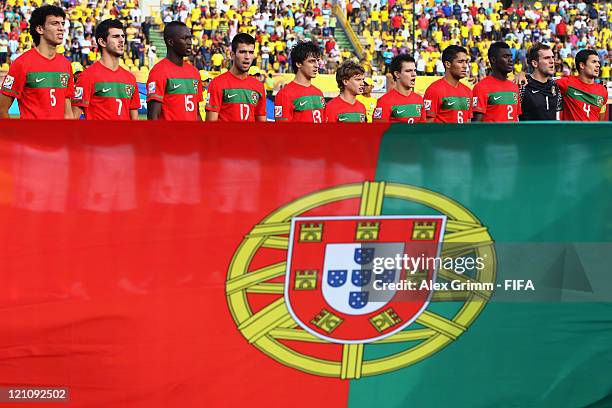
column 181, row 86
column 503, row 98
column 47, row 80
column 351, row 117
column 241, row 95
column 529, row 184
column 406, row 111
column 118, row 90
column 456, row 103
column 310, row 102
column 582, row 96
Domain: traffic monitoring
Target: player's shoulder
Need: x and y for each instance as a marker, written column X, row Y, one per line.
column 360, row 105
column 24, row 59
column 158, row 68
column 127, row 74
column 435, row 85
column 388, row 96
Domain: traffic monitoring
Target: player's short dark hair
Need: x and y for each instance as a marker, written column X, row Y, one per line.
column 39, row 17
column 104, row 27
column 495, row 48
column 582, row 57
column 242, row 38
column 347, row 70
column 451, row 52
column 397, row 61
column 172, row 28
column 533, row 52
column 302, row 51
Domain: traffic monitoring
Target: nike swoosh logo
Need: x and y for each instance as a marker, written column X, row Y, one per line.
column 450, row 103
column 231, row 96
column 177, row 85
column 303, row 103
column 342, row 120
column 402, row 111
column 535, row 91
column 577, row 93
column 104, row 90
column 40, row 79
column 496, row 98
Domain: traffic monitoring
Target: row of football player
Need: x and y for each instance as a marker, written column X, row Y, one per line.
column 42, row 82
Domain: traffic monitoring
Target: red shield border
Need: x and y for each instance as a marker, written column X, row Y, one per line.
column 305, row 268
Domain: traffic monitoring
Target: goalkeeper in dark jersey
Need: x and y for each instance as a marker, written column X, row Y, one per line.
column 541, row 97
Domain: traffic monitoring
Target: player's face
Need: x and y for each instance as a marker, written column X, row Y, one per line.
column 407, row 76
column 53, row 30
column 243, row 57
column 115, row 42
column 459, row 66
column 181, row 44
column 546, row 62
column 355, row 84
column 310, row 67
column 592, row 67
column 503, row 63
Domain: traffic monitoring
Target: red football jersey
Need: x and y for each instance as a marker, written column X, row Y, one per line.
column 178, row 89
column 105, row 94
column 339, row 110
column 397, row 108
column 40, row 85
column 582, row 102
column 448, row 104
column 236, row 100
column 299, row 103
column 497, row 100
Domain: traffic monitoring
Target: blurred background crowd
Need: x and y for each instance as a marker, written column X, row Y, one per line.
column 370, row 31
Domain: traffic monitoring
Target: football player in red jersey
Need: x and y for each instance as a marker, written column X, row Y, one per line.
column 345, row 107
column 174, row 88
column 299, row 100
column 106, row 91
column 401, row 104
column 583, row 98
column 495, row 98
column 236, row 96
column 41, row 79
column 447, row 100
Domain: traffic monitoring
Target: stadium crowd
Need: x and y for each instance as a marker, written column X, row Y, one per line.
column 567, row 26
column 82, row 16
column 385, row 27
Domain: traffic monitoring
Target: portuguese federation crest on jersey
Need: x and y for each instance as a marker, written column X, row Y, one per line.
column 337, row 286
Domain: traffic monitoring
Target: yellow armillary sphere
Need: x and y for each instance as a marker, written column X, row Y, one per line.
column 274, row 331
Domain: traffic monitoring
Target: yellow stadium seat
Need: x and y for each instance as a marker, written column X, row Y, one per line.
column 4, row 67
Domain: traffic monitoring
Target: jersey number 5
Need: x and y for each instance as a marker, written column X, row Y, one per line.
column 189, row 105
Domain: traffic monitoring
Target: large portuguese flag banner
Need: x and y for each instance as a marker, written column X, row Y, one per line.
column 222, row 265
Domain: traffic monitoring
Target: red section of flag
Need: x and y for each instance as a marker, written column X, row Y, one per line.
column 116, row 240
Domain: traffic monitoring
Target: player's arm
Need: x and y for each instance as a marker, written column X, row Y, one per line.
column 430, row 103
column 69, row 95
column 154, row 109
column 155, row 95
column 260, row 108
column 12, row 87
column 134, row 101
column 479, row 103
column 214, row 100
column 283, row 108
column 82, row 94
column 603, row 113
column 382, row 113
column 5, row 105
column 68, row 109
